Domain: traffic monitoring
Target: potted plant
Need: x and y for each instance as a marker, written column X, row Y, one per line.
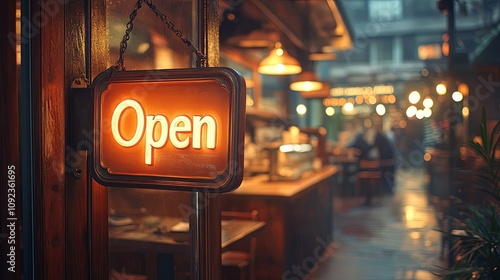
column 475, row 226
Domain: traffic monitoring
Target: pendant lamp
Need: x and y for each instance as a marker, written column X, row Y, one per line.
column 306, row 81
column 278, row 62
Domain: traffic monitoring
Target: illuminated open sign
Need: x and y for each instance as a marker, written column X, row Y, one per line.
column 180, row 129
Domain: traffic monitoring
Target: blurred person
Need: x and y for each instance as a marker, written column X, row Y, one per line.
column 386, row 154
column 359, row 142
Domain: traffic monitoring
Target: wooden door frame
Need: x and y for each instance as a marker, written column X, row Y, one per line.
column 69, row 235
column 10, row 193
column 60, row 49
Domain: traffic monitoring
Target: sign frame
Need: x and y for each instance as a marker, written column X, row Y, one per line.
column 225, row 180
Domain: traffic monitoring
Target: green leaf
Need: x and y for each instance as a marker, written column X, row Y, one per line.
column 493, row 132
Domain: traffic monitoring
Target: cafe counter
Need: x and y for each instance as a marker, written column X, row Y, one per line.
column 298, row 216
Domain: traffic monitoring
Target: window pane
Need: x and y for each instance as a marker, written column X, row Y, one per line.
column 138, row 215
column 385, row 10
column 409, row 48
column 384, row 50
column 356, row 10
column 152, row 45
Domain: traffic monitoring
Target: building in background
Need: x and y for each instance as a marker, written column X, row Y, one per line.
column 402, row 46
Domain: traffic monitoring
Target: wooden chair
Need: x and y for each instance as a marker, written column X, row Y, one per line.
column 368, row 179
column 239, row 264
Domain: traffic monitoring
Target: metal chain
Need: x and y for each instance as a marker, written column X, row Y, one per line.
column 120, row 64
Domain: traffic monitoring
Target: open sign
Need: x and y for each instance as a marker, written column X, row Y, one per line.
column 147, row 126
column 180, row 129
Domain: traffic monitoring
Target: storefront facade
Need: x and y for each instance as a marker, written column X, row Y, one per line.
column 61, row 225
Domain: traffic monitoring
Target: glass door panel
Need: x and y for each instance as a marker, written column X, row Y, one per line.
column 142, row 244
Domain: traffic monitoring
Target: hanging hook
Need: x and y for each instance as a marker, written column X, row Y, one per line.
column 120, row 65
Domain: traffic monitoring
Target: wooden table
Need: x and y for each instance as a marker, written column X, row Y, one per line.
column 154, row 244
column 348, row 168
column 298, row 216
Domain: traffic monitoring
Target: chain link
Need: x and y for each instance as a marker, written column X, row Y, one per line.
column 120, row 64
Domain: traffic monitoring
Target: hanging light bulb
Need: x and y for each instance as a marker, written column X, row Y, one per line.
column 428, row 102
column 278, row 62
column 306, row 81
column 441, row 89
column 457, row 96
column 414, row 97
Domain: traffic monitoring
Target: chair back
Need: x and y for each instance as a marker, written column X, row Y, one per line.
column 252, row 216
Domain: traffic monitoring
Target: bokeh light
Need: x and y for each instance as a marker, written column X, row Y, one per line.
column 414, row 97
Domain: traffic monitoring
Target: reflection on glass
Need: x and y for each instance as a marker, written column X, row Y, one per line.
column 246, row 71
column 139, row 215
column 152, row 45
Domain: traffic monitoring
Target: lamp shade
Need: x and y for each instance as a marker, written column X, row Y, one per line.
column 306, row 81
column 322, row 93
column 278, row 62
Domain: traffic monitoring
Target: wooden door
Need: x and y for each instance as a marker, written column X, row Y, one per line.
column 66, row 212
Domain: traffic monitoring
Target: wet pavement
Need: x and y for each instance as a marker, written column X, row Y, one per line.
column 394, row 237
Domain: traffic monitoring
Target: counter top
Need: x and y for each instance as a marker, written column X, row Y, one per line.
column 261, row 186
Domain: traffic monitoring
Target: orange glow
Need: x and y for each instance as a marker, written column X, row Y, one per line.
column 178, row 126
column 464, row 89
column 372, row 100
column 359, row 99
column 158, row 128
column 427, row 157
column 392, row 99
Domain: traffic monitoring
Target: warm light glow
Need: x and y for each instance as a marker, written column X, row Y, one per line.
column 409, row 212
column 463, row 88
column 185, row 137
column 465, row 111
column 330, row 111
column 359, row 99
column 457, row 96
column 372, row 100
column 146, row 127
column 414, row 97
column 428, row 102
column 143, row 47
column 311, row 85
column 411, row 111
column 348, row 107
column 306, row 81
column 301, row 109
column 306, row 86
column 427, row 112
column 420, row 114
column 441, row 89
column 250, row 101
column 299, row 148
column 427, row 157
column 294, row 130
column 115, row 120
column 362, row 91
column 430, row 51
column 278, row 62
column 249, row 82
column 380, row 109
column 391, row 99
